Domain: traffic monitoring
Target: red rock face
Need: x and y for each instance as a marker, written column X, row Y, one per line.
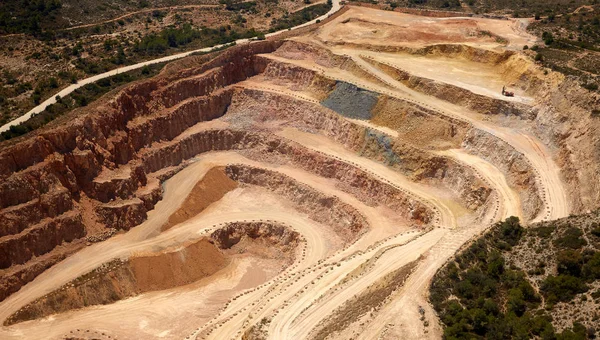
column 40, row 239
column 106, row 157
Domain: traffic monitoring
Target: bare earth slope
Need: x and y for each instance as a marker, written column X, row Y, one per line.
column 315, row 183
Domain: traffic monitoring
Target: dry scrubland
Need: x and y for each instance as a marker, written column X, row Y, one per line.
column 308, row 187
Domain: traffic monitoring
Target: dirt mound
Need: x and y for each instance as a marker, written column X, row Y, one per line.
column 213, row 186
column 176, row 268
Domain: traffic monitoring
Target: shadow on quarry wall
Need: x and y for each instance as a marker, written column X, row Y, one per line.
column 81, row 180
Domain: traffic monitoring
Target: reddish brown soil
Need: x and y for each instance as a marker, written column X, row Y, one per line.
column 210, row 189
column 166, row 270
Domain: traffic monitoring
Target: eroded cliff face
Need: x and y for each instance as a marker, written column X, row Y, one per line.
column 566, row 122
column 96, row 172
column 416, row 163
column 518, row 171
column 344, row 219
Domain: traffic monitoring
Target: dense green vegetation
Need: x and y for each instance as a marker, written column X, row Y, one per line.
column 231, row 5
column 79, row 98
column 529, row 8
column 452, row 5
column 300, row 17
column 25, row 16
column 482, row 293
column 156, row 44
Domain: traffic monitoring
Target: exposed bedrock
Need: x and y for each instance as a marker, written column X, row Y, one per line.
column 100, row 130
column 413, row 123
column 345, row 220
column 13, row 278
column 295, row 50
column 295, row 77
column 566, row 122
column 418, row 125
column 51, row 204
column 90, row 168
column 169, row 268
column 367, row 188
column 351, row 101
column 274, row 234
column 122, row 215
column 102, row 170
column 409, row 160
column 447, row 50
column 519, row 172
column 40, row 239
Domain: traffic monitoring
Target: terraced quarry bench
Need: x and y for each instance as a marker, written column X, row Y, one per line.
column 283, row 189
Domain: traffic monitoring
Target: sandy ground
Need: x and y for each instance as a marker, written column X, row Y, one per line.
column 479, row 78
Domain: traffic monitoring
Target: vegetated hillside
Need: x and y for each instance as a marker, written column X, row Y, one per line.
column 48, row 44
column 34, row 16
column 519, row 283
column 569, row 29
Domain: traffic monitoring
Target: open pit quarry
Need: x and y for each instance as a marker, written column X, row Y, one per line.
column 301, row 187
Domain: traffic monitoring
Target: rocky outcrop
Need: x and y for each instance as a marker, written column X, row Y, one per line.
column 519, row 172
column 351, row 101
column 40, row 239
column 276, row 235
column 17, row 218
column 414, row 162
column 122, row 215
column 344, row 219
column 567, row 123
column 99, row 157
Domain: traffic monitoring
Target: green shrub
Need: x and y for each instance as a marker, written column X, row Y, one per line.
column 543, row 232
column 539, row 57
column 562, row 288
column 570, row 238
